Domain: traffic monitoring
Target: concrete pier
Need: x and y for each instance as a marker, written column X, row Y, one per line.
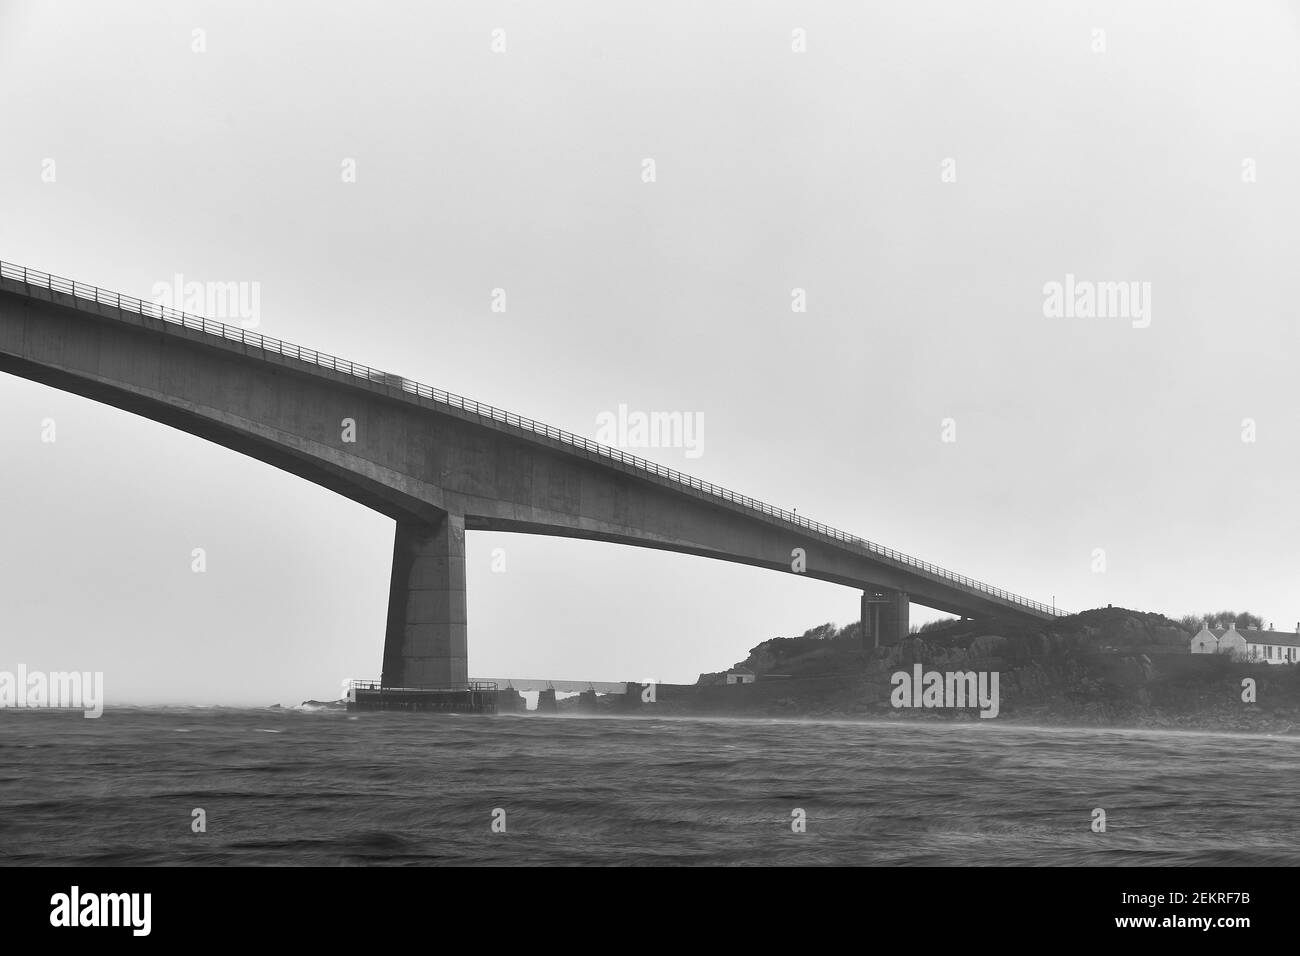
column 510, row 701
column 426, row 641
column 473, row 698
column 885, row 616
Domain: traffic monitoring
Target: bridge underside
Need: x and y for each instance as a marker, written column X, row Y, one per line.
column 426, row 643
column 435, row 468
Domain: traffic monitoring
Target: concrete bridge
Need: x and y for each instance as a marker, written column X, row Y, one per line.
column 437, row 463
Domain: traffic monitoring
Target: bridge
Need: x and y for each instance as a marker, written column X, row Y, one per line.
column 438, row 464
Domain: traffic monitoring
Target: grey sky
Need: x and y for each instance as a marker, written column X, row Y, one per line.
column 775, row 170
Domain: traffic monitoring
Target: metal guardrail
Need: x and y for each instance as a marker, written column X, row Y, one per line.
column 474, row 685
column 89, row 293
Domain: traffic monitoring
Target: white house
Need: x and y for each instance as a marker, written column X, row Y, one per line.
column 1273, row 647
column 1252, row 644
column 1205, row 642
column 739, row 675
column 1231, row 642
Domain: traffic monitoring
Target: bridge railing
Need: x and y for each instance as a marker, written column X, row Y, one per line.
column 473, row 685
column 89, row 293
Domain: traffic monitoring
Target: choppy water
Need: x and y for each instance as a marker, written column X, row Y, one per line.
column 287, row 787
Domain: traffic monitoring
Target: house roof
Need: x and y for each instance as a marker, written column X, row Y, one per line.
column 1278, row 638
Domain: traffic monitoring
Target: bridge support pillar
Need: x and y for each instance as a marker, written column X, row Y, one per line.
column 886, row 617
column 870, row 626
column 426, row 643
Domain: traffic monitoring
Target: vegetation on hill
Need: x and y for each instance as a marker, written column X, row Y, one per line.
column 1108, row 666
column 1242, row 619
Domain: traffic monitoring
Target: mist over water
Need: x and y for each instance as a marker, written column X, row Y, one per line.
column 328, row 788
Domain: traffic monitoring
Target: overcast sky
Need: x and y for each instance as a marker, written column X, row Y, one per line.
column 921, row 170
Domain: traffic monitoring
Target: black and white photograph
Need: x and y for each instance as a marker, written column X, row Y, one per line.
column 626, row 436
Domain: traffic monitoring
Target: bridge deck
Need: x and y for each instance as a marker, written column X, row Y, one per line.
column 79, row 295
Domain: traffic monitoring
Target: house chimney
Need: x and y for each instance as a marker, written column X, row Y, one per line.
column 1232, row 625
